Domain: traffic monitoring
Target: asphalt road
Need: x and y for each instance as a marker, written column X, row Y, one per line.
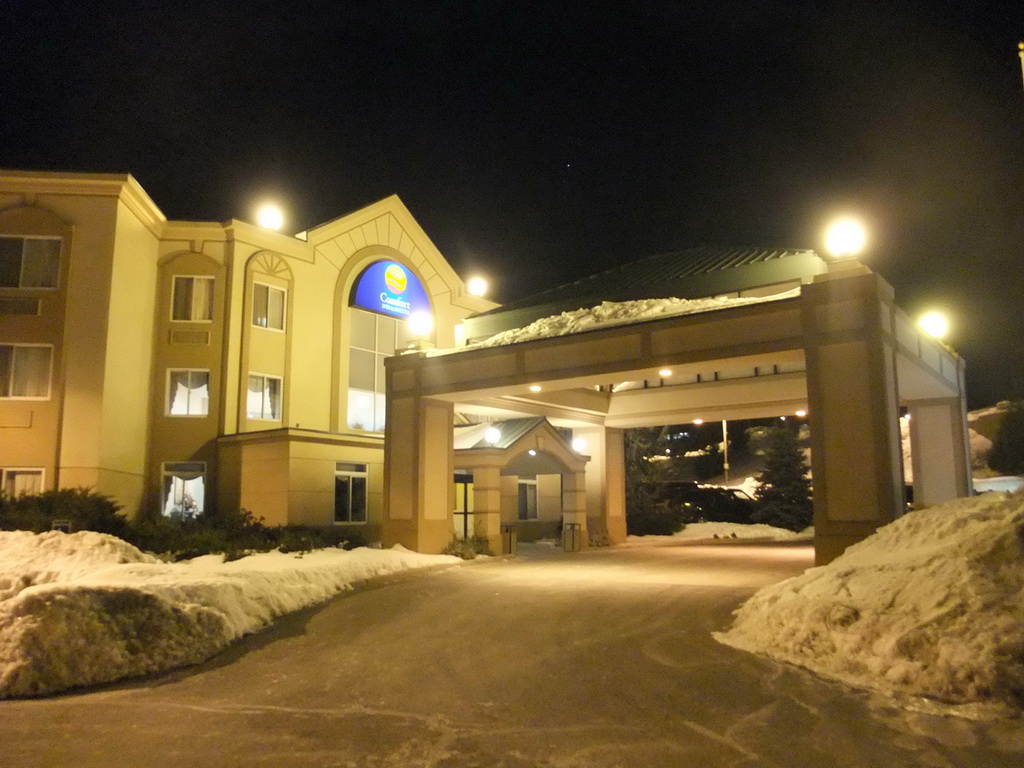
column 602, row 658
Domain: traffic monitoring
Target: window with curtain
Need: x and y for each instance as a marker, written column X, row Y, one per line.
column 263, row 398
column 193, row 299
column 29, row 262
column 25, row 370
column 184, row 484
column 21, row 482
column 268, row 306
column 188, row 392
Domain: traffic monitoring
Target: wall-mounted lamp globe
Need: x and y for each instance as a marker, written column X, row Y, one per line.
column 935, row 324
column 579, row 444
column 492, row 435
column 421, row 323
column 845, row 237
column 476, row 286
column 270, row 216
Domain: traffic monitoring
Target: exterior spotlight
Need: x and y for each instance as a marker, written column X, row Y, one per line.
column 664, row 373
column 535, row 387
column 934, row 324
column 270, row 216
column 476, row 286
column 801, row 414
column 698, row 422
column 579, row 444
column 845, row 237
column 421, row 323
column 492, row 435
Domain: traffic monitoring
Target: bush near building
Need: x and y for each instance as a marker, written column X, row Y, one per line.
column 234, row 533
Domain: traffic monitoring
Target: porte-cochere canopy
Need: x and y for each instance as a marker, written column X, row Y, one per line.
column 826, row 338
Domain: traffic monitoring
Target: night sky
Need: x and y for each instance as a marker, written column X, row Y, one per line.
column 538, row 142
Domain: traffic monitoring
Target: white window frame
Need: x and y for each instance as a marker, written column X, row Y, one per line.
column 167, row 393
column 376, row 396
column 6, row 472
column 284, row 307
column 351, row 470
column 21, row 269
column 192, row 305
column 197, row 470
column 49, row 373
column 280, row 395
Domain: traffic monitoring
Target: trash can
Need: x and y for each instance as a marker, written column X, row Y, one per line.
column 572, row 537
column 509, row 539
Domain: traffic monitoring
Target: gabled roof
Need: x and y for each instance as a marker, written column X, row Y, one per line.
column 691, row 273
column 511, row 430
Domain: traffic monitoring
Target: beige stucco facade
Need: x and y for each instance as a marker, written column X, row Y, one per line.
column 155, row 332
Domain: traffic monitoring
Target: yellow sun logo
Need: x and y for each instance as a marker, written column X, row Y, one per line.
column 395, row 278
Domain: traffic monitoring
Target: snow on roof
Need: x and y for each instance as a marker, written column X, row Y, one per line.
column 929, row 606
column 86, row 608
column 611, row 313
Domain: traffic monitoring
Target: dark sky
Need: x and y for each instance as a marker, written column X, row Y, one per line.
column 540, row 141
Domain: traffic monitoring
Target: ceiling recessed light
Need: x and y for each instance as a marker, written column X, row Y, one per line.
column 664, row 373
column 535, row 387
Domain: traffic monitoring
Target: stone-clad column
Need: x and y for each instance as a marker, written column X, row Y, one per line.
column 487, row 506
column 419, row 494
column 854, row 410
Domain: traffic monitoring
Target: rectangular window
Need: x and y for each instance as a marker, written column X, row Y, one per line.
column 188, row 392
column 25, row 371
column 372, row 338
column 527, row 499
column 184, row 484
column 263, row 399
column 193, row 299
column 29, row 262
column 19, row 482
column 349, row 492
column 267, row 306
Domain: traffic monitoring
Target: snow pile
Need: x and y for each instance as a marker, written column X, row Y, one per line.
column 86, row 608
column 742, row 531
column 704, row 531
column 611, row 313
column 931, row 605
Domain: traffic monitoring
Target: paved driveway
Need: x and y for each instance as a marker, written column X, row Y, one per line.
column 602, row 658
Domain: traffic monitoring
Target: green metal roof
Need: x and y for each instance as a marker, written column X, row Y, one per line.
column 691, row 273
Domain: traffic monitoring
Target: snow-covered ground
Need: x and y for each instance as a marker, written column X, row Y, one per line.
column 930, row 610
column 86, row 608
column 704, row 531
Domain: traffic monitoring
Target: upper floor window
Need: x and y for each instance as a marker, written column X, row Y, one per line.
column 25, row 370
column 29, row 262
column 263, row 398
column 268, row 306
column 188, row 392
column 372, row 338
column 193, row 299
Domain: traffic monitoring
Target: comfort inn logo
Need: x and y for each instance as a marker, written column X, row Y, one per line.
column 390, row 288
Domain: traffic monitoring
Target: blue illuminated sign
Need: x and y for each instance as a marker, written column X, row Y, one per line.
column 389, row 288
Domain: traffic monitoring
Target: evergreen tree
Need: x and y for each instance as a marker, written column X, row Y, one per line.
column 643, row 517
column 784, row 497
column 1007, row 454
